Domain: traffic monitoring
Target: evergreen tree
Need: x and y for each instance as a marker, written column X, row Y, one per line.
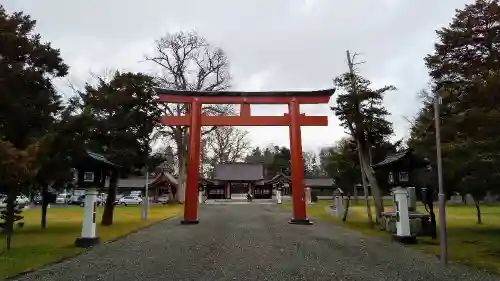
column 465, row 71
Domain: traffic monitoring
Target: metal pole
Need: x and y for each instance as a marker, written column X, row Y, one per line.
column 145, row 207
column 441, row 196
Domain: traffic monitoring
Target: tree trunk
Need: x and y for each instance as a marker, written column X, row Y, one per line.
column 9, row 220
column 181, row 190
column 45, row 204
column 348, row 203
column 433, row 219
column 365, row 189
column 107, row 215
column 478, row 212
column 182, row 156
column 377, row 198
column 355, row 192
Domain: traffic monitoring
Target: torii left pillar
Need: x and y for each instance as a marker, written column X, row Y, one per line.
column 193, row 171
column 298, row 194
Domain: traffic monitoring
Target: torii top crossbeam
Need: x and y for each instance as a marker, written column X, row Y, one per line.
column 245, row 99
column 238, row 97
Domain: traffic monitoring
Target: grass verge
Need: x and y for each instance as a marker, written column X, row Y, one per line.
column 33, row 247
column 468, row 243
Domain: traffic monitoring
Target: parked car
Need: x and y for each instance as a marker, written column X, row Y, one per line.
column 98, row 201
column 62, row 198
column 73, row 200
column 21, row 200
column 3, row 202
column 77, row 201
column 136, row 193
column 37, row 200
column 163, row 200
column 130, row 200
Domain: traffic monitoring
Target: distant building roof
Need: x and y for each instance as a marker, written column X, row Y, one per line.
column 239, row 172
column 319, row 182
column 403, row 158
column 391, row 159
column 100, row 158
column 313, row 182
column 132, row 182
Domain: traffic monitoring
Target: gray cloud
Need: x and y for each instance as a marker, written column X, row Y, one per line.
column 271, row 44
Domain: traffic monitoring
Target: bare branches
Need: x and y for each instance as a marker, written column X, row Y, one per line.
column 228, row 144
column 190, row 63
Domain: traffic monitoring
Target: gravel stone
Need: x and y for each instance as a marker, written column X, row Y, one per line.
column 252, row 242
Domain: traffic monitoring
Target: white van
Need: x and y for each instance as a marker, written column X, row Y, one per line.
column 63, row 198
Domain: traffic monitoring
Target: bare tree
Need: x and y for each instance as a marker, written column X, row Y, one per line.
column 189, row 62
column 228, row 144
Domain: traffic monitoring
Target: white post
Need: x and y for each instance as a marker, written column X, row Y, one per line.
column 145, row 202
column 339, row 206
column 308, row 195
column 88, row 237
column 403, row 231
column 443, row 238
column 412, row 199
column 200, row 196
column 278, row 196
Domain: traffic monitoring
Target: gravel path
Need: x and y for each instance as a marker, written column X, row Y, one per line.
column 252, row 242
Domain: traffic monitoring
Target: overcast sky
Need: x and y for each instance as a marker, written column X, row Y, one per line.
column 271, row 45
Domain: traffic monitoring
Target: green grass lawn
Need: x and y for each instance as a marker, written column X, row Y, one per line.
column 33, row 247
column 468, row 242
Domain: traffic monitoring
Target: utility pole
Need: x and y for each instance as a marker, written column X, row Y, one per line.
column 441, row 196
column 145, row 202
column 360, row 155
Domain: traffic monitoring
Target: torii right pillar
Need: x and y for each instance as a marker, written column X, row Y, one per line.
column 298, row 192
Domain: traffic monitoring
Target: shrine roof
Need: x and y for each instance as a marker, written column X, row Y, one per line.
column 313, row 182
column 315, row 93
column 100, row 158
column 239, row 172
column 319, row 182
column 91, row 160
column 402, row 157
column 391, row 159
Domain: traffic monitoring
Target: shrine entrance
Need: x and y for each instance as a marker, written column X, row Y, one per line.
column 293, row 119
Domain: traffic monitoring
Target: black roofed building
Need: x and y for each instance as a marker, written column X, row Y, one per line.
column 240, row 178
column 237, row 178
column 158, row 185
column 321, row 186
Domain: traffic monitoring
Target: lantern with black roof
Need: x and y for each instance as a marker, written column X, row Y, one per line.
column 91, row 170
column 399, row 168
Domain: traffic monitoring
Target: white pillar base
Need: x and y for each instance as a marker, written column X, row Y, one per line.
column 403, row 221
column 200, row 197
column 145, row 208
column 308, row 195
column 88, row 236
column 339, row 207
column 278, row 196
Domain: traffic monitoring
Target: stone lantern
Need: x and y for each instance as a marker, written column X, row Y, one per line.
column 399, row 169
column 91, row 170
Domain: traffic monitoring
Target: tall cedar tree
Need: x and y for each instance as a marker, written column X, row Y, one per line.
column 361, row 111
column 465, row 69
column 124, row 113
column 29, row 102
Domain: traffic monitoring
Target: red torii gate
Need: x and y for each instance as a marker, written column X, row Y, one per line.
column 294, row 120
